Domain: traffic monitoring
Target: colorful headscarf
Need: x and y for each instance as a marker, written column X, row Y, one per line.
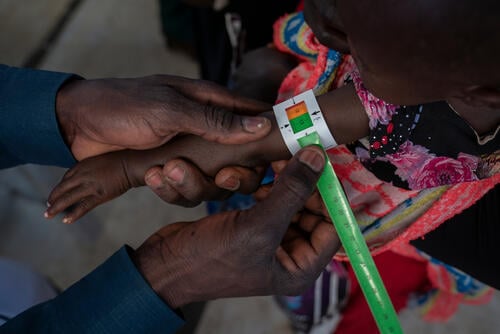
column 389, row 217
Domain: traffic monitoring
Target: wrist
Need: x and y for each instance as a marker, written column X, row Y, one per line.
column 344, row 114
column 65, row 110
column 270, row 148
column 165, row 274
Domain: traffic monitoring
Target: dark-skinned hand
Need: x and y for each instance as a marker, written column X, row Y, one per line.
column 314, row 204
column 100, row 179
column 99, row 116
column 182, row 183
column 96, row 180
column 259, row 251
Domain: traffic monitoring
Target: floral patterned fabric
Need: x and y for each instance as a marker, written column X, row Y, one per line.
column 409, row 176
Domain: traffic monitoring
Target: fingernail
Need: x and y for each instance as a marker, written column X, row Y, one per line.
column 48, row 204
column 231, row 183
column 313, row 159
column 255, row 124
column 176, row 174
column 66, row 220
column 46, row 214
column 154, row 180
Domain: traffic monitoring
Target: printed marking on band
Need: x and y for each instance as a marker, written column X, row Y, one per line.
column 299, row 117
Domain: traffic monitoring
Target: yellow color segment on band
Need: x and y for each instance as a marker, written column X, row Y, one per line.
column 296, row 110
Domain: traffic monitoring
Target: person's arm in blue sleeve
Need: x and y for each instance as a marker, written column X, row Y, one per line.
column 115, row 294
column 185, row 262
column 114, row 298
column 29, row 131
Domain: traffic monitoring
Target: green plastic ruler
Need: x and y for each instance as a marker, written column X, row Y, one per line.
column 354, row 244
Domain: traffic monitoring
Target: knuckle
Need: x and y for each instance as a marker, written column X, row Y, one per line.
column 297, row 189
column 91, row 187
column 69, row 173
column 99, row 192
column 194, row 190
column 194, row 198
column 84, row 205
column 168, row 195
column 217, row 118
column 65, row 199
column 53, row 195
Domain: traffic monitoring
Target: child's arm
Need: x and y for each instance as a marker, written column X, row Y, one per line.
column 99, row 179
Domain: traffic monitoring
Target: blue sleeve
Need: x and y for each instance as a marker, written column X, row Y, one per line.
column 29, row 132
column 114, row 298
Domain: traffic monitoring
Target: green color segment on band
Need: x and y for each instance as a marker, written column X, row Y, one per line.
column 354, row 244
column 301, row 123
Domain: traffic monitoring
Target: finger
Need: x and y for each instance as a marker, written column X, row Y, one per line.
column 67, row 199
column 191, row 183
column 308, row 222
column 309, row 255
column 278, row 166
column 80, row 209
column 315, row 205
column 206, row 92
column 291, row 234
column 66, row 184
column 160, row 185
column 210, row 111
column 325, row 243
column 263, row 192
column 217, row 124
column 289, row 193
column 301, row 229
column 243, row 180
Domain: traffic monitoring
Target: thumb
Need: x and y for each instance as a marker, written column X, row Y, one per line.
column 290, row 193
column 217, row 114
column 220, row 125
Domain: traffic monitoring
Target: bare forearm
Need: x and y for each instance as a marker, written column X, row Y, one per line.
column 113, row 174
column 345, row 115
column 342, row 110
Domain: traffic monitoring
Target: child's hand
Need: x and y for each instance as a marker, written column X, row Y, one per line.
column 90, row 183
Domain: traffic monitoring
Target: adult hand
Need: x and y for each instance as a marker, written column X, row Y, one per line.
column 98, row 116
column 245, row 253
column 314, row 203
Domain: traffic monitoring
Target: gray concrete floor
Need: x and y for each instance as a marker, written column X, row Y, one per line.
column 122, row 38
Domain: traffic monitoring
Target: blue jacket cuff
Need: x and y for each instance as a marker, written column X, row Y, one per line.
column 115, row 297
column 29, row 132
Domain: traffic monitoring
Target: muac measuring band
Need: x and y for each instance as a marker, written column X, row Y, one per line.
column 301, row 124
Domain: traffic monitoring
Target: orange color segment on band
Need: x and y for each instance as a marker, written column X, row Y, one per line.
column 296, row 110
